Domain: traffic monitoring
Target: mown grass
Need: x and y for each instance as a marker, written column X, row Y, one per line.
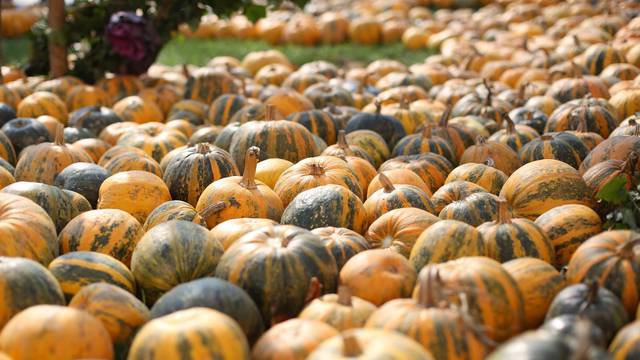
column 199, row 51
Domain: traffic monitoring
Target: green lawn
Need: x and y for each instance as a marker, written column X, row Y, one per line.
column 199, row 52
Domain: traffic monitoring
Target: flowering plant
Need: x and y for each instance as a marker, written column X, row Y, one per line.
column 134, row 39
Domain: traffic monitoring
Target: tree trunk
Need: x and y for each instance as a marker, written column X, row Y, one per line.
column 57, row 46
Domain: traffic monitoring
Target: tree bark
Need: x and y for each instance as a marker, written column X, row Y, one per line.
column 57, row 46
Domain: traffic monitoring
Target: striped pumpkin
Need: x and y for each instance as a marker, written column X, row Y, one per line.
column 398, row 176
column 387, row 126
column 626, row 344
column 341, row 310
column 171, row 253
column 227, row 232
column 121, row 313
column 292, row 340
column 192, row 110
column 162, row 94
column 588, row 114
column 216, row 294
column 205, row 134
column 95, row 148
column 509, row 238
column 322, row 94
column 224, row 107
column 207, row 84
column 280, row 282
column 191, row 170
column 446, row 240
column 440, row 330
column 6, row 178
column 485, row 175
column 474, row 209
column 136, row 192
column 459, row 136
column 410, row 119
column 138, row 110
column 81, row 96
column 250, row 112
column 494, row 299
column 531, row 116
column 505, row 158
column 173, row 210
column 300, row 80
column 109, row 231
column 111, row 133
column 10, row 96
column 454, row 191
column 180, row 125
column 601, row 174
column 25, row 283
column 342, row 243
column 372, row 143
column 343, row 149
column 239, row 196
column 363, row 169
column 539, row 282
column 613, row 148
column 120, row 86
column 132, row 161
column 432, row 168
column 425, row 142
column 327, row 205
column 609, row 258
column 394, row 197
column 515, row 136
column 542, row 185
column 626, row 102
column 313, row 172
column 399, row 229
column 318, row 122
column 43, row 103
column 598, row 56
column 630, row 126
column 7, row 151
column 156, row 144
column 562, row 146
column 50, row 332
column 77, row 269
column 191, row 334
column 568, row 89
column 568, row 226
column 272, row 74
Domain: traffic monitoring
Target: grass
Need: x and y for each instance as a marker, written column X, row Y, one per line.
column 199, row 51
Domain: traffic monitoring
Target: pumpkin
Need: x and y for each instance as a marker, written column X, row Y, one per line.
column 190, row 334
column 568, row 226
column 515, row 136
column 10, row 96
column 459, row 136
column 599, row 56
column 613, row 148
column 343, row 149
column 121, row 313
column 112, row 133
column 322, row 94
column 544, row 344
column 341, row 310
column 392, row 273
column 290, row 266
column 568, row 89
column 76, row 269
column 138, row 110
column 625, row 102
column 629, row 126
column 136, row 192
column 395, row 196
column 171, row 253
column 398, row 229
column 43, row 103
column 482, row 103
column 505, row 158
column 485, row 175
column 81, row 96
column 26, row 283
column 7, row 152
column 156, row 143
column 365, row 30
column 214, row 294
column 287, row 101
column 539, row 282
column 432, row 168
column 181, row 125
column 92, row 146
column 370, row 343
column 593, row 117
column 410, row 119
column 227, row 232
column 342, row 243
column 207, row 84
column 55, row 332
column 205, row 134
column 609, row 258
column 292, row 340
column 491, row 294
column 120, row 86
column 473, row 209
column 388, row 127
column 237, row 196
column 372, row 143
column 398, row 176
column 593, row 302
column 318, row 122
column 542, row 185
column 6, row 178
column 530, row 116
column 131, row 161
column 268, row 171
column 192, row 110
column 452, row 192
column 425, row 142
column 301, row 80
column 272, row 74
column 93, row 118
column 173, row 210
column 82, row 178
column 601, row 174
column 625, row 344
column 23, row 132
column 109, row 231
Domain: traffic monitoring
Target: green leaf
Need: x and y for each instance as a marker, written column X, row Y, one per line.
column 254, row 12
column 614, row 191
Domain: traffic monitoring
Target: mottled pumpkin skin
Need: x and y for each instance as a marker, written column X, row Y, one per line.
column 207, row 84
column 318, row 122
column 278, row 138
column 136, row 192
column 192, row 110
column 507, row 239
column 492, row 294
column 374, row 343
column 192, row 169
column 43, row 162
column 490, row 178
column 93, row 147
column 399, row 229
column 313, row 172
column 613, row 148
column 60, row 205
column 398, row 176
column 269, row 171
column 43, row 103
column 171, row 253
column 371, row 142
column 505, row 159
column 173, row 210
column 55, row 332
column 84, row 179
column 600, row 174
column 606, row 258
column 23, row 132
column 215, row 294
column 155, row 144
column 564, row 146
column 224, row 107
column 120, row 312
column 452, row 192
column 474, row 209
column 191, row 334
column 112, row 133
column 388, row 127
column 129, row 161
column 568, row 226
column 432, row 168
column 227, row 232
column 542, row 185
column 515, row 137
column 279, row 278
column 120, row 86
column 223, row 140
column 538, row 345
column 626, row 344
column 327, row 205
column 539, row 282
column 119, row 150
column 7, row 151
column 6, row 178
column 25, row 283
column 342, row 243
column 597, row 119
column 446, row 240
column 425, row 143
column 402, row 196
column 292, row 340
column 108, row 231
column 93, row 118
column 136, row 109
column 330, row 310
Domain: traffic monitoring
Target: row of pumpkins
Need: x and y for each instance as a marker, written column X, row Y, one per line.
column 251, row 209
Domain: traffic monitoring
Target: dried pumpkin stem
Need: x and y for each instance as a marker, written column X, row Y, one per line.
column 269, row 112
column 490, row 162
column 546, row 137
column 427, row 288
column 59, row 135
column 489, row 99
column 404, row 103
column 528, row 115
column 481, row 140
column 504, row 217
column 343, row 144
column 212, row 209
column 426, row 131
column 350, row 345
column 591, row 296
column 185, row 70
column 511, row 127
column 386, row 183
column 250, row 163
column 625, row 250
column 316, row 169
column 344, row 295
column 202, row 148
column 444, row 118
column 378, row 105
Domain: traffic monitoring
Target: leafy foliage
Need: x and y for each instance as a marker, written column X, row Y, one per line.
column 86, row 20
column 624, row 205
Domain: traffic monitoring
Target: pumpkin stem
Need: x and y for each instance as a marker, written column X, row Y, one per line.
column 404, row 103
column 576, row 67
column 487, row 101
column 471, row 325
column 202, row 148
column 511, row 127
column 444, row 118
column 582, row 120
column 427, row 288
column 243, row 86
column 481, row 140
column 504, row 217
column 316, row 169
column 521, row 91
column 269, row 112
column 629, row 165
column 592, row 294
column 625, row 250
column 350, row 345
column 576, row 41
column 386, row 183
column 426, row 131
column 344, row 295
column 59, row 136
column 546, row 137
column 185, row 71
column 636, row 130
column 343, row 144
column 378, row 105
column 528, row 115
column 490, row 162
column 212, row 209
column 250, row 163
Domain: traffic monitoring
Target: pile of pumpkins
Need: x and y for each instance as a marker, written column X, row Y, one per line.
column 252, row 209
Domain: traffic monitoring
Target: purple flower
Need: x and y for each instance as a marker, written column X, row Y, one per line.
column 133, row 38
